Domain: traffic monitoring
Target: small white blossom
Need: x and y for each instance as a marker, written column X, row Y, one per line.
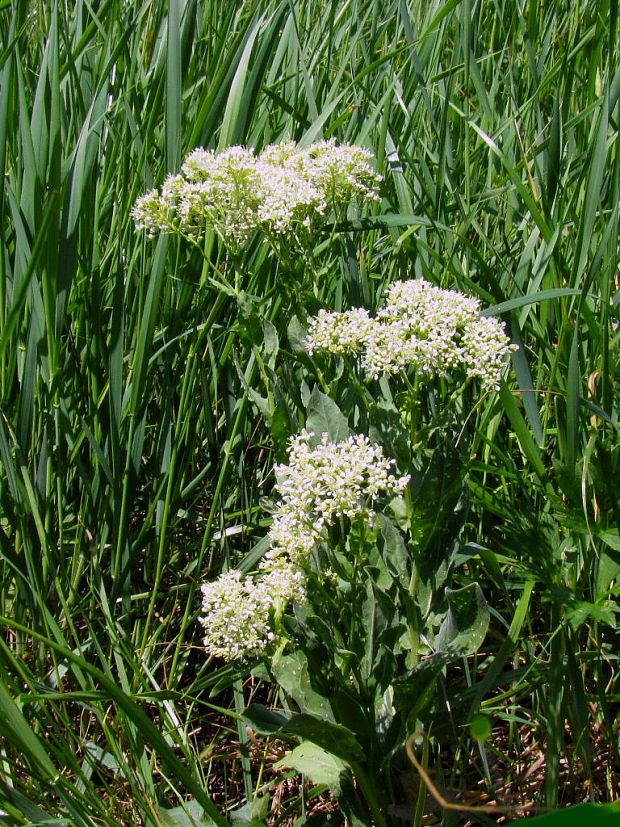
column 342, row 172
column 237, row 610
column 339, row 333
column 323, row 483
column 320, row 484
column 486, row 345
column 421, row 326
column 237, row 192
column 150, row 212
column 236, row 617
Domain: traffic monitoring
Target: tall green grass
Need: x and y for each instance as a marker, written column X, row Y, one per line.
column 135, row 446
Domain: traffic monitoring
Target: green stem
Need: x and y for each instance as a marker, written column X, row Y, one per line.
column 413, row 617
column 368, row 791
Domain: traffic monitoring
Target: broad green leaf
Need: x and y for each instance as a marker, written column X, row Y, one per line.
column 263, row 720
column 291, row 673
column 377, row 611
column 603, row 611
column 608, row 564
column 582, row 814
column 325, row 417
column 296, row 336
column 416, row 691
column 189, row 815
column 611, row 538
column 394, row 550
column 252, row 814
column 319, row 765
column 271, row 343
column 466, row 624
column 334, row 738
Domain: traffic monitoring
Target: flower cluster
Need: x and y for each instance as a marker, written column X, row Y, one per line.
column 237, row 610
column 422, row 326
column 321, row 484
column 236, row 192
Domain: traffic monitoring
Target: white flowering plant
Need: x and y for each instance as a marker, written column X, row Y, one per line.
column 352, row 609
column 322, row 485
column 349, row 609
column 286, row 192
column 364, row 596
column 421, row 330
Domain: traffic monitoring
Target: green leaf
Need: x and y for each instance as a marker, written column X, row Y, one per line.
column 526, row 387
column 380, row 619
column 465, row 626
column 253, row 813
column 280, row 426
column 608, row 568
column 590, row 814
column 320, row 766
column 291, row 673
column 296, row 334
column 383, row 222
column 394, row 550
column 16, row 730
column 174, row 90
column 25, row 807
column 265, row 721
column 271, row 343
column 233, row 106
column 603, row 611
column 531, row 298
column 523, row 434
column 418, row 689
column 611, row 538
column 334, row 738
column 325, row 417
column 189, row 815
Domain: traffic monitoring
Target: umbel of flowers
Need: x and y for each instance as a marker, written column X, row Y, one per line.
column 421, row 326
column 322, row 483
column 282, row 190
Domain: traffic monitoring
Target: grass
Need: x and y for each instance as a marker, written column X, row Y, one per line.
column 138, row 425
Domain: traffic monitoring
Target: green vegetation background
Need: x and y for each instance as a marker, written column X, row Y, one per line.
column 135, row 444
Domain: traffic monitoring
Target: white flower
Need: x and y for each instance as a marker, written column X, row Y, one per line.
column 320, row 484
column 421, row 326
column 339, row 333
column 237, row 610
column 236, row 192
column 236, row 617
column 323, row 483
column 341, row 172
